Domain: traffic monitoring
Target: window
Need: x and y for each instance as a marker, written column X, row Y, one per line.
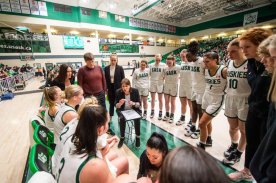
column 102, row 14
column 86, row 11
column 120, row 18
column 62, row 8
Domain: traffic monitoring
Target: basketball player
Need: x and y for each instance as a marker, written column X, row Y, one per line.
column 170, row 87
column 157, row 84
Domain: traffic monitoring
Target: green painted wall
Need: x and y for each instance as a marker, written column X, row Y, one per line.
column 264, row 14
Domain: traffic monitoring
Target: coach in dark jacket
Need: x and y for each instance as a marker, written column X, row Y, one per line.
column 113, row 75
column 128, row 98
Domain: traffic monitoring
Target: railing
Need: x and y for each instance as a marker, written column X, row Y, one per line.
column 13, row 83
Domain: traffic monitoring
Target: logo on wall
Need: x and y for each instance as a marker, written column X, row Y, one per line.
column 250, row 18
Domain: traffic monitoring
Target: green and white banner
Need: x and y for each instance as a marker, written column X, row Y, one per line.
column 119, row 48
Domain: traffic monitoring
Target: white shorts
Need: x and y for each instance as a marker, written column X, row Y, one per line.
column 185, row 91
column 212, row 104
column 143, row 92
column 197, row 97
column 171, row 89
column 156, row 87
column 236, row 107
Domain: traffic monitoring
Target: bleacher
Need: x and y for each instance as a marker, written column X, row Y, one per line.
column 219, row 45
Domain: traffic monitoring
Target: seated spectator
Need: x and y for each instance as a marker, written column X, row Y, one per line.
column 152, row 158
column 191, row 164
column 127, row 98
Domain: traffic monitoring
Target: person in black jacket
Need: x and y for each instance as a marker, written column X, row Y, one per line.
column 263, row 164
column 128, row 98
column 114, row 74
column 152, row 158
column 259, row 81
column 64, row 77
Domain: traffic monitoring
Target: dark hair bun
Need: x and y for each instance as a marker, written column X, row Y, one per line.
column 193, row 47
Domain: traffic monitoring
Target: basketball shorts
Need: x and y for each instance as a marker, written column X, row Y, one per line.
column 197, row 97
column 185, row 91
column 143, row 92
column 156, row 87
column 212, row 104
column 236, row 107
column 171, row 89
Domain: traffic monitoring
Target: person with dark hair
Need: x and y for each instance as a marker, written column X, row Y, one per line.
column 79, row 161
column 152, row 158
column 213, row 98
column 128, row 98
column 92, row 80
column 114, row 74
column 64, row 77
column 191, row 164
column 255, row 126
column 198, row 87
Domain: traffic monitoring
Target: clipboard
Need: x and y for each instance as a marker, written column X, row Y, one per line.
column 130, row 114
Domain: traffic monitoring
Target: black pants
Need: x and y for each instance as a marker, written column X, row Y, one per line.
column 255, row 130
column 123, row 126
column 111, row 98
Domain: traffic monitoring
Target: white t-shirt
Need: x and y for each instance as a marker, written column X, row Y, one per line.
column 186, row 74
column 157, row 72
column 171, row 74
column 141, row 78
column 198, row 78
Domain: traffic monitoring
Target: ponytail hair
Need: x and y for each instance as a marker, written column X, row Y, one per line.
column 158, row 141
column 49, row 94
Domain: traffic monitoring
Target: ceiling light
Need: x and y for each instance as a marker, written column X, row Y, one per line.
column 111, row 35
column 205, row 37
column 182, row 40
column 267, row 26
column 193, row 39
column 170, row 5
column 240, row 31
column 74, row 32
column 140, row 38
column 150, row 39
column 93, row 34
column 222, row 34
column 160, row 40
column 126, row 37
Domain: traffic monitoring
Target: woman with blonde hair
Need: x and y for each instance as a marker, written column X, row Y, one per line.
column 52, row 97
column 67, row 112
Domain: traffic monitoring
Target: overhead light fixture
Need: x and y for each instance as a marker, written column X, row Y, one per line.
column 150, row 39
column 160, row 40
column 126, row 37
column 182, row 40
column 140, row 38
column 170, row 5
column 205, row 37
column 222, row 34
column 193, row 39
column 267, row 26
column 74, row 32
column 144, row 7
column 240, row 31
column 111, row 35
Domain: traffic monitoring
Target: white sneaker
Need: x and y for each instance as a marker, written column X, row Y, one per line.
column 179, row 122
column 166, row 118
column 144, row 116
column 171, row 120
column 196, row 134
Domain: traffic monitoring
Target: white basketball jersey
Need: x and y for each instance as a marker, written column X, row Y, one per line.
column 70, row 165
column 198, row 79
column 171, row 74
column 141, row 78
column 65, row 135
column 49, row 120
column 237, row 83
column 186, row 74
column 157, row 72
column 215, row 84
column 58, row 122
